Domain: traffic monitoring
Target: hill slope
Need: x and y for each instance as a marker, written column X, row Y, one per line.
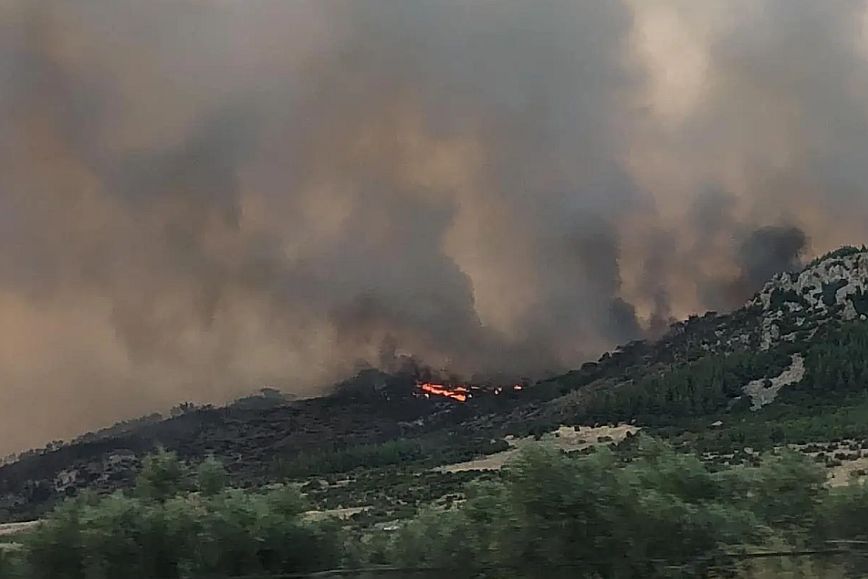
column 788, row 367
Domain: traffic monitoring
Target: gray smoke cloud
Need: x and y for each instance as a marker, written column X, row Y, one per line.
column 771, row 250
column 199, row 199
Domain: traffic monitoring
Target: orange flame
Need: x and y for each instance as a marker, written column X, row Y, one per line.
column 459, row 393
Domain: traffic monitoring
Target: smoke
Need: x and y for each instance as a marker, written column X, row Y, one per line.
column 200, row 199
column 768, row 251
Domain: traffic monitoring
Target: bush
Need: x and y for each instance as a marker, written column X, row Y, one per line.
column 162, row 476
column 656, row 513
column 10, row 565
column 591, row 514
column 211, row 477
column 161, row 532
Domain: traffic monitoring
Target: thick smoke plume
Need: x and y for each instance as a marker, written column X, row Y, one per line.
column 202, row 198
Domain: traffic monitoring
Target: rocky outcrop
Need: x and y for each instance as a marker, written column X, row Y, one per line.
column 793, row 305
column 763, row 392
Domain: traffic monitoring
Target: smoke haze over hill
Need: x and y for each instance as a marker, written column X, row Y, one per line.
column 202, row 198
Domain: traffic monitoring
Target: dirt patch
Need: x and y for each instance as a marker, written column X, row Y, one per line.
column 341, row 514
column 490, row 462
column 842, row 475
column 565, row 438
column 9, row 529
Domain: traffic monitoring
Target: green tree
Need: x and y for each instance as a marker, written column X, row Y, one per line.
column 161, row 477
column 593, row 516
column 163, row 532
column 10, row 564
column 211, row 477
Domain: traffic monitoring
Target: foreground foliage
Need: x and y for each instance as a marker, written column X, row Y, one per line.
column 162, row 531
column 662, row 514
column 650, row 512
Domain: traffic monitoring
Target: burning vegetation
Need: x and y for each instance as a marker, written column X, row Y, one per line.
column 462, row 393
column 459, row 393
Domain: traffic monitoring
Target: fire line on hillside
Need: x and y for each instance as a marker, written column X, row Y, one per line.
column 460, row 393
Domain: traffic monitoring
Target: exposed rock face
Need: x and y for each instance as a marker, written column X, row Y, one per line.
column 837, row 280
column 762, row 392
column 834, row 287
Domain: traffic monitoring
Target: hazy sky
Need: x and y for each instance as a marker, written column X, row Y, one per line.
column 200, row 198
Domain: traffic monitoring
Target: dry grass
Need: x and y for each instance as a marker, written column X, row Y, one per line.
column 842, row 475
column 341, row 514
column 565, row 438
column 9, row 529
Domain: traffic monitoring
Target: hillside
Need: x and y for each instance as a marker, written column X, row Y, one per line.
column 788, row 368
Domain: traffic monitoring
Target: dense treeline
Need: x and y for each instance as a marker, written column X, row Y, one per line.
column 835, row 364
column 657, row 514
column 701, row 387
column 838, row 361
column 795, row 421
column 830, row 403
column 346, row 459
column 433, row 450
